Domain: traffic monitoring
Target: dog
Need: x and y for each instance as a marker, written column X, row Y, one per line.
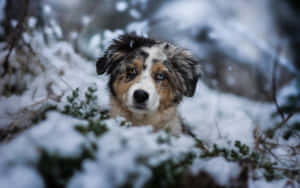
column 148, row 79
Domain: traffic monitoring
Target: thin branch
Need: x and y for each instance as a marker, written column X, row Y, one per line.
column 14, row 38
column 284, row 119
column 274, row 88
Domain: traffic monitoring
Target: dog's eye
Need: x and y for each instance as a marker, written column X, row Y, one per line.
column 131, row 72
column 159, row 76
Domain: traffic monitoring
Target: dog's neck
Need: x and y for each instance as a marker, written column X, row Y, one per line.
column 167, row 119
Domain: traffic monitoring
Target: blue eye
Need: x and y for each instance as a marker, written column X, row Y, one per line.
column 159, row 76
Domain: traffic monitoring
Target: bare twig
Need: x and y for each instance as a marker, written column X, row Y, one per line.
column 14, row 38
column 274, row 88
column 284, row 119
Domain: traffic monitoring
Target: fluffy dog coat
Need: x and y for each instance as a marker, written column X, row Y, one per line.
column 148, row 79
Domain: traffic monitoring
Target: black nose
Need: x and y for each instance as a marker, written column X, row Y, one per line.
column 140, row 96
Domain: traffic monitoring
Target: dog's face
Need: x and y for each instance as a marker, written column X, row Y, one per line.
column 146, row 75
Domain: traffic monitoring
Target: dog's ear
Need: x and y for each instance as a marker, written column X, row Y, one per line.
column 187, row 70
column 101, row 65
column 119, row 49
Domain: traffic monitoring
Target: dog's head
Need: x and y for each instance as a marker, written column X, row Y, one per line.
column 148, row 75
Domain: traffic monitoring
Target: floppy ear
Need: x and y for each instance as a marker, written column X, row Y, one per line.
column 187, row 71
column 101, row 65
column 119, row 49
column 112, row 57
column 109, row 61
column 192, row 81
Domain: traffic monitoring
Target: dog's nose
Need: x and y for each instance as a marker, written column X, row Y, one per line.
column 140, row 96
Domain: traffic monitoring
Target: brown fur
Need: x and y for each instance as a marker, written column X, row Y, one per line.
column 164, row 119
column 122, row 84
column 164, row 88
column 166, row 111
column 182, row 74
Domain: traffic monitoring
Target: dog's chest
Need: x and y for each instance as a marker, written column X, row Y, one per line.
column 166, row 120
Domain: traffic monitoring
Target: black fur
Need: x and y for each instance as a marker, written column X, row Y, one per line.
column 182, row 67
column 119, row 49
column 188, row 73
column 128, row 42
column 183, row 74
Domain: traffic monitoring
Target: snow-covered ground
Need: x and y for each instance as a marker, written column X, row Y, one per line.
column 214, row 117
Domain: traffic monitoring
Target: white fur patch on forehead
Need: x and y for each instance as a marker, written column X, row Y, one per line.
column 146, row 82
column 155, row 52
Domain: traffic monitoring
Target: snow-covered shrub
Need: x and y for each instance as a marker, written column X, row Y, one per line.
column 67, row 139
column 291, row 106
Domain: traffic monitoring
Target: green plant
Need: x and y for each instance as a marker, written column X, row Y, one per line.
column 56, row 170
column 169, row 173
column 85, row 108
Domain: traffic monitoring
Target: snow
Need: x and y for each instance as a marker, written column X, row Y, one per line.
column 48, row 30
column 222, row 170
column 60, row 137
column 56, row 29
column 288, row 89
column 135, row 13
column 265, row 184
column 20, row 152
column 58, row 58
column 47, row 9
column 100, row 41
column 20, row 177
column 53, row 137
column 16, row 164
column 121, row 6
column 74, row 35
column 110, row 35
column 140, row 28
column 14, row 23
column 32, row 22
column 214, row 117
column 118, row 153
column 229, row 24
column 95, row 43
column 26, row 37
column 223, row 118
column 86, row 20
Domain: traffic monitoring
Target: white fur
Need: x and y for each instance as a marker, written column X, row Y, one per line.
column 147, row 83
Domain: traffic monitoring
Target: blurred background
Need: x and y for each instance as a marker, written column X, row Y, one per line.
column 237, row 40
column 55, row 129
